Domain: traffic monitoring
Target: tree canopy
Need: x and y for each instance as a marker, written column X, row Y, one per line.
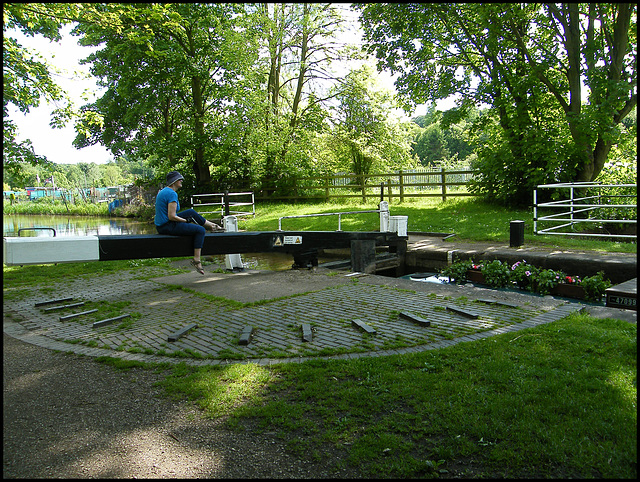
column 529, row 63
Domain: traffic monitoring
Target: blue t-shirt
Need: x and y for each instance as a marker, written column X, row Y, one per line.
column 164, row 197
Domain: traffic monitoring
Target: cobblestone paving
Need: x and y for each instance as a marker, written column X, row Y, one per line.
column 158, row 310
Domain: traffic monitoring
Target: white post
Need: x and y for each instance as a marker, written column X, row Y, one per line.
column 535, row 211
column 384, row 216
column 232, row 261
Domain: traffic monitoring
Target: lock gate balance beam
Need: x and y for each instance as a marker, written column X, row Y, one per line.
column 42, row 250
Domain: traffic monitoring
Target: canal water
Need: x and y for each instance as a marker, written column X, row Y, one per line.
column 60, row 225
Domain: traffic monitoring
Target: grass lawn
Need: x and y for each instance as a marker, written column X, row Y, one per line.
column 555, row 401
column 469, row 219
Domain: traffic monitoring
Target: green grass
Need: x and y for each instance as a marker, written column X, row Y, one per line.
column 557, row 401
column 41, row 274
column 468, row 218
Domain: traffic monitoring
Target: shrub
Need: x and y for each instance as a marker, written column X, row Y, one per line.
column 546, row 280
column 523, row 274
column 457, row 271
column 594, row 286
column 496, row 274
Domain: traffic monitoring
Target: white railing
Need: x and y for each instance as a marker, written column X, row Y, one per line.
column 383, row 210
column 586, row 202
column 226, row 205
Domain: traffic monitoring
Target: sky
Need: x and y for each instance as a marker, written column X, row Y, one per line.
column 56, row 144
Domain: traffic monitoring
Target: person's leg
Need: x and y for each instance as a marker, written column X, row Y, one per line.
column 198, row 218
column 186, row 229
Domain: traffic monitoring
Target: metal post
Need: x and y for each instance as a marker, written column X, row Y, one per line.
column 535, row 211
column 572, row 223
column 226, row 203
column 516, row 233
column 384, row 216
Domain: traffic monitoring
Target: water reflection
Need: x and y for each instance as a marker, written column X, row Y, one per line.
column 71, row 225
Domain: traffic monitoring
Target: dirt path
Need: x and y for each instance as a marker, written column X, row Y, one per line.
column 66, row 416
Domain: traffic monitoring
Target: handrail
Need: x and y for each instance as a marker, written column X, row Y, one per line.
column 326, row 214
column 35, row 229
column 225, row 203
column 582, row 201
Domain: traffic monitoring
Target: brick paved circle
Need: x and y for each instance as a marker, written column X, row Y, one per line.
column 326, row 301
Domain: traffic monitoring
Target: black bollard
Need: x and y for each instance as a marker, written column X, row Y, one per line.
column 516, row 233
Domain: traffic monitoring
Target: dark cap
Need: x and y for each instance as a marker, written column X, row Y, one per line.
column 173, row 176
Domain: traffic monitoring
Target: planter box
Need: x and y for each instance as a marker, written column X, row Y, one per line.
column 569, row 291
column 475, row 276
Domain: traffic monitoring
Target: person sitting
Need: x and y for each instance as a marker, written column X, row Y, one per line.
column 170, row 220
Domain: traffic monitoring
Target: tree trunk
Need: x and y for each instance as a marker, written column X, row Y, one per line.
column 201, row 168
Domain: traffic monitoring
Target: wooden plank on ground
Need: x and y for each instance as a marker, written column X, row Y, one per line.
column 181, row 332
column 307, row 333
column 245, row 335
column 465, row 313
column 415, row 318
column 74, row 315
column 108, row 321
column 363, row 326
column 63, row 307
column 51, row 302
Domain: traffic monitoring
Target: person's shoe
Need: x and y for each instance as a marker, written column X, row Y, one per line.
column 197, row 265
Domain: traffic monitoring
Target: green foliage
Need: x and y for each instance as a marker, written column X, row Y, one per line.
column 27, row 77
column 496, row 274
column 595, row 286
column 495, row 408
column 547, row 279
column 618, row 172
column 45, row 205
column 527, row 277
column 523, row 274
column 537, row 130
column 457, row 272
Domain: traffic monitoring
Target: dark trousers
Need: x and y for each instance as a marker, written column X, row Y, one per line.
column 186, row 229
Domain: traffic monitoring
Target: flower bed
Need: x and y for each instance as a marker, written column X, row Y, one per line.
column 524, row 276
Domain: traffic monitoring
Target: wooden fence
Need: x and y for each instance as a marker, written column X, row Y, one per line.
column 400, row 185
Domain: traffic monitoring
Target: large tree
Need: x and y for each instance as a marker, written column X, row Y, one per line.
column 527, row 61
column 300, row 41
column 169, row 71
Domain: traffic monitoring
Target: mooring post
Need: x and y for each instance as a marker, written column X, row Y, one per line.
column 232, row 261
column 384, row 216
column 363, row 255
column 226, row 203
column 516, row 233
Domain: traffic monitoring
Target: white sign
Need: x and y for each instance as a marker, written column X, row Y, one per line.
column 293, row 240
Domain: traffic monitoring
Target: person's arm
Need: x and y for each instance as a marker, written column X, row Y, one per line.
column 172, row 213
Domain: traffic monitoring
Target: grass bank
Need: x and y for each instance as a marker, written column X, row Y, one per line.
column 556, row 401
